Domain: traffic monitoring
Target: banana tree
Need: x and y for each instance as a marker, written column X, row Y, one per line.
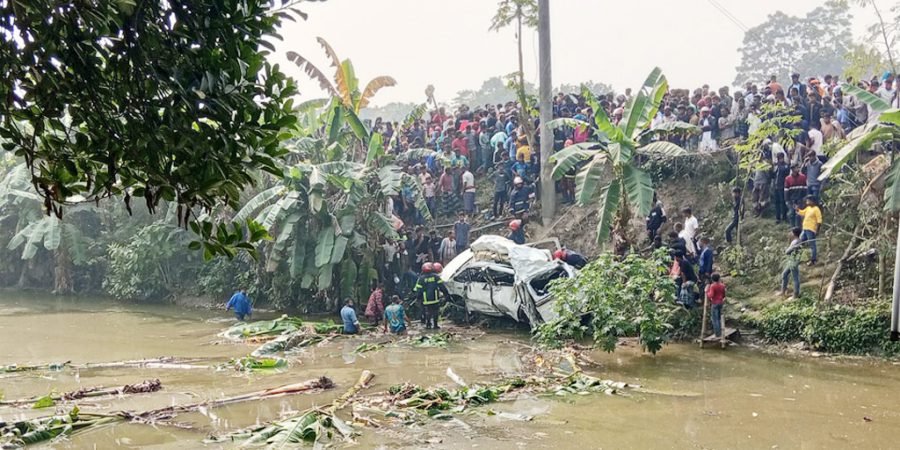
column 885, row 130
column 328, row 214
column 610, row 171
column 344, row 84
column 35, row 230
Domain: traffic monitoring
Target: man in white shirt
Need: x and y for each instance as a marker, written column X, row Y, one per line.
column 468, row 182
column 888, row 93
column 691, row 226
column 815, row 138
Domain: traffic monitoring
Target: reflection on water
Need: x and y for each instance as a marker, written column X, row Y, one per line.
column 746, row 399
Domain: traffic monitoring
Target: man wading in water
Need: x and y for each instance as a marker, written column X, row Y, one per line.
column 241, row 305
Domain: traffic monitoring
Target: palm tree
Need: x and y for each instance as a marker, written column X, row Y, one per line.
column 521, row 12
column 610, row 163
column 344, row 84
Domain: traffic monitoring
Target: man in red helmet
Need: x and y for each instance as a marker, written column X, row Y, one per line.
column 427, row 288
column 571, row 258
column 517, row 232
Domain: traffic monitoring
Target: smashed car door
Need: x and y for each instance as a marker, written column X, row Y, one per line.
column 476, row 291
column 503, row 294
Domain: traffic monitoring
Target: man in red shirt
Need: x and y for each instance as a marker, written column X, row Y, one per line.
column 794, row 194
column 715, row 293
column 460, row 146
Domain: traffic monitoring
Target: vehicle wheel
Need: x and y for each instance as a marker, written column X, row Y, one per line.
column 457, row 300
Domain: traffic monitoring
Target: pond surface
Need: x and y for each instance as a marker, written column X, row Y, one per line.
column 746, row 399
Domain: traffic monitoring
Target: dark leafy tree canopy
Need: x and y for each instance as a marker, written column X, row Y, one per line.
column 170, row 100
column 813, row 45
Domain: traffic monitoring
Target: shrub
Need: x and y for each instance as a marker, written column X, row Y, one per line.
column 851, row 330
column 785, row 322
column 856, row 330
column 613, row 298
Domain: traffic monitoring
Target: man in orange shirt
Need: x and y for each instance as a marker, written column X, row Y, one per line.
column 774, row 85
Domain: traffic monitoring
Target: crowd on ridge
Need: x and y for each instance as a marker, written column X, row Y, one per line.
column 489, row 141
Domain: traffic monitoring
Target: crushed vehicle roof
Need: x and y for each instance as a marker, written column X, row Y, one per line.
column 525, row 260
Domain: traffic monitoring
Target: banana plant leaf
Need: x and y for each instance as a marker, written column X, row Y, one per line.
column 324, row 247
column 609, row 205
column 569, row 157
column 281, row 325
column 43, row 429
column 258, row 364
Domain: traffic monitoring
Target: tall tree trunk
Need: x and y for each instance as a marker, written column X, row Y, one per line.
column 524, row 115
column 63, row 272
column 23, row 274
column 620, row 234
column 887, row 42
column 548, row 187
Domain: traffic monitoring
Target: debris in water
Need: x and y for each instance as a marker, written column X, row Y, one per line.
column 456, row 378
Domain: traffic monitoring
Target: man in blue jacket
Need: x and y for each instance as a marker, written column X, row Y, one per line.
column 241, row 305
column 706, row 261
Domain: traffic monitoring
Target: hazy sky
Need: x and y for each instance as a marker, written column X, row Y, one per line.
column 447, row 43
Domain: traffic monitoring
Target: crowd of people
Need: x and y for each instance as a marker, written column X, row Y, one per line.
column 488, row 144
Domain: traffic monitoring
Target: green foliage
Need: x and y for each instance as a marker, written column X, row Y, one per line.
column 778, row 126
column 44, row 402
column 862, row 61
column 276, row 327
column 857, row 329
column 433, row 340
column 327, row 327
column 314, row 427
column 326, row 215
column 493, row 91
column 152, row 265
column 785, row 322
column 845, row 329
column 614, row 298
column 43, row 429
column 122, row 99
column 366, row 347
column 784, row 44
column 611, row 172
column 887, row 129
column 344, row 85
column 254, row 364
column 512, row 10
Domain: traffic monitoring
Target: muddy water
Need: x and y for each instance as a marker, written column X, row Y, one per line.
column 744, row 399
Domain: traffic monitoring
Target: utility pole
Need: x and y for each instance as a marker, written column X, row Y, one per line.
column 895, row 305
column 548, row 187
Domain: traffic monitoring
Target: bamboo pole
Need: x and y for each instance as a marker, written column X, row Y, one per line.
column 703, row 324
column 364, row 379
column 170, row 411
column 722, row 338
column 144, row 387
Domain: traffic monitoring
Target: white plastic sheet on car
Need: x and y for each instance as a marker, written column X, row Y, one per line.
column 525, row 261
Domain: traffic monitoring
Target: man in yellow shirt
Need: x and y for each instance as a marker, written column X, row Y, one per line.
column 812, row 219
column 524, row 150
